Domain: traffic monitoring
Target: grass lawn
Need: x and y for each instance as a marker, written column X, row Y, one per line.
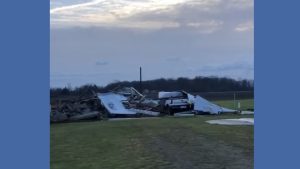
column 157, row 143
column 245, row 104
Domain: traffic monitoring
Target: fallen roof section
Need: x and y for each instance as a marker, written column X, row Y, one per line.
column 113, row 103
column 203, row 105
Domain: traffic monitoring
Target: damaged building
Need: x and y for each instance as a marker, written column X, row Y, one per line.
column 128, row 102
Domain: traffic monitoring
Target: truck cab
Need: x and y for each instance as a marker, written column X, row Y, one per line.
column 173, row 102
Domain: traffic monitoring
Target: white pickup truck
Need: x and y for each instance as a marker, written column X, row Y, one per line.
column 172, row 102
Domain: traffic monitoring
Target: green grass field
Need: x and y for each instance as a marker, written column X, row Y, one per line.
column 245, row 104
column 157, row 143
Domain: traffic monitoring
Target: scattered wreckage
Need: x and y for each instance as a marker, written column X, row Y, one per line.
column 128, row 102
column 76, row 110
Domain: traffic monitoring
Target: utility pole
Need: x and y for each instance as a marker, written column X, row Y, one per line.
column 234, row 100
column 141, row 80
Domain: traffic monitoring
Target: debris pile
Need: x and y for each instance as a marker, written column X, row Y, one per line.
column 128, row 102
column 135, row 100
column 124, row 102
column 75, row 110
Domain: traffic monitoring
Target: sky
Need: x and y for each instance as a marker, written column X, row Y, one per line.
column 103, row 41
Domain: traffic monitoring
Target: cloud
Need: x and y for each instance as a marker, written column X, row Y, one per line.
column 206, row 27
column 108, row 13
column 74, row 7
column 234, row 70
column 168, row 38
column 161, row 53
column 228, row 67
column 65, row 79
column 101, row 63
column 243, row 27
column 240, row 4
column 146, row 14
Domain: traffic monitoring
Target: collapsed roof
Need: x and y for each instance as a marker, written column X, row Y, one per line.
column 113, row 103
column 203, row 105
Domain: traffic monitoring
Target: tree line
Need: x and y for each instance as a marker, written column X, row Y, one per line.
column 197, row 84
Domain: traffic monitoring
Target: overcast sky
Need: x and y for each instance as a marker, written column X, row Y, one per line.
column 101, row 41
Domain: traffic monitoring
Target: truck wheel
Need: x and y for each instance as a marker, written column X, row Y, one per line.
column 169, row 110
